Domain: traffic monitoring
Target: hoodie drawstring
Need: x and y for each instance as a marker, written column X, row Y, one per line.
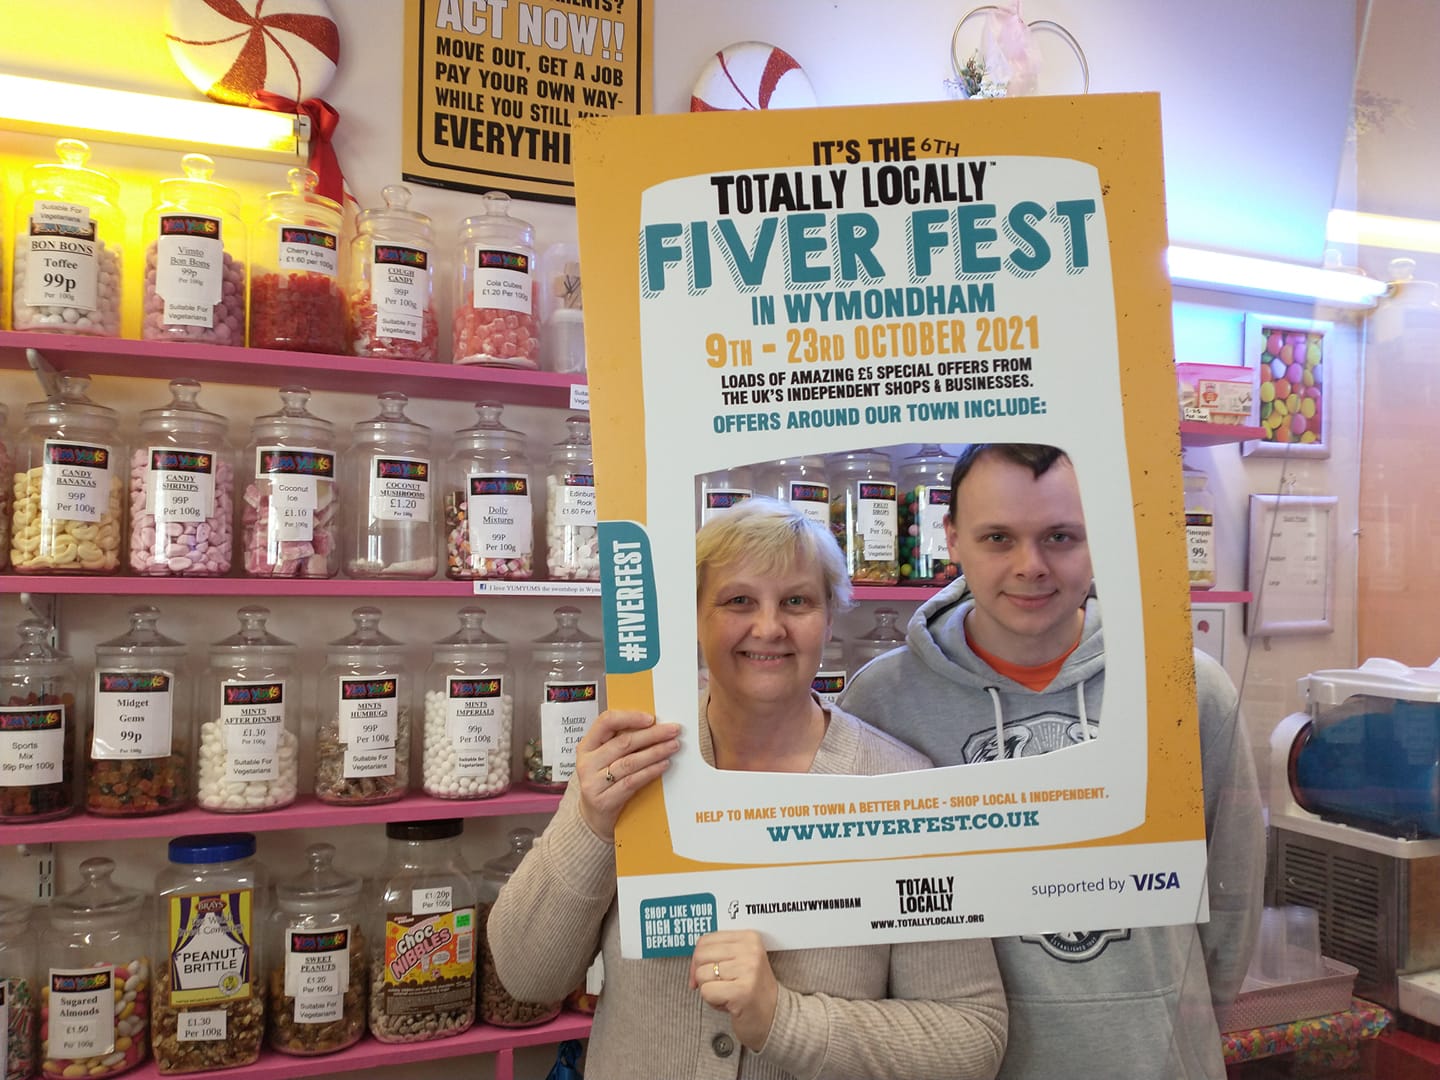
column 994, row 693
column 1080, row 699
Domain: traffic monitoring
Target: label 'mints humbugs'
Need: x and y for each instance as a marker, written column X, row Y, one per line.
column 209, row 944
column 577, row 500
column 566, row 713
column 400, row 489
column 61, row 257
column 315, row 250
column 75, row 480
column 474, row 721
column 82, row 1012
column 369, row 719
column 503, row 279
column 180, row 484
column 400, row 291
column 812, row 500
column 875, row 519
column 133, row 714
column 294, row 474
column 189, row 268
column 253, row 716
column 497, row 511
column 32, row 745
column 317, row 972
column 934, row 509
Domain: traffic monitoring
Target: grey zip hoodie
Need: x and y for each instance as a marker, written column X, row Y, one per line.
column 1112, row 1002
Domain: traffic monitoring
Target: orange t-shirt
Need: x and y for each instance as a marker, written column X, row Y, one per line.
column 1032, row 678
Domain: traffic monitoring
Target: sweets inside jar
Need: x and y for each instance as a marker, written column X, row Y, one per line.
column 93, row 1021
column 310, row 1019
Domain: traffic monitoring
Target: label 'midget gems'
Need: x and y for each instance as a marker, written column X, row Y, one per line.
column 369, row 724
column 32, row 745
column 400, row 291
column 934, row 509
column 876, row 520
column 61, row 257
column 82, row 1012
column 253, row 716
column 294, row 475
column 400, row 489
column 75, row 481
column 498, row 514
column 503, row 279
column 317, row 972
column 189, row 268
column 209, row 945
column 812, row 500
column 133, row 714
column 474, row 722
column 314, row 250
column 566, row 713
column 180, row 484
column 577, row 500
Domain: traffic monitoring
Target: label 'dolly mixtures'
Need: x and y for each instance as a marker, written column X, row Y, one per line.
column 369, row 724
column 133, row 714
column 497, row 509
column 209, row 944
column 32, row 745
column 566, row 713
column 474, row 722
column 429, row 962
column 317, row 972
column 253, row 716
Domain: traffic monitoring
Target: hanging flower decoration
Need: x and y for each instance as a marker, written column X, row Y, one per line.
column 1008, row 60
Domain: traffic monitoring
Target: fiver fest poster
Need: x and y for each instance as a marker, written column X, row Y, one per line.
column 788, row 283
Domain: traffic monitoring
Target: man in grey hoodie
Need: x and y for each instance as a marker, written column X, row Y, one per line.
column 1009, row 661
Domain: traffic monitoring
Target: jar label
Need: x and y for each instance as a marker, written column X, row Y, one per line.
column 294, row 475
column 433, row 901
column 1200, row 541
column 400, row 291
column 577, row 500
column 253, row 716
column 875, row 520
column 474, row 722
column 429, row 962
column 400, row 489
column 61, row 264
column 75, row 481
column 503, row 280
column 314, row 250
column 497, row 510
column 718, row 499
column 317, row 972
column 934, row 509
column 567, row 712
column 828, row 684
column 189, row 268
column 812, row 500
column 82, row 1013
column 133, row 714
column 180, row 485
column 209, row 945
column 32, row 745
column 200, row 1025
column 369, row 719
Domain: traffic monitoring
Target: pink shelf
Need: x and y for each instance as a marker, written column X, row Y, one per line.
column 305, row 813
column 117, row 585
column 1219, row 596
column 910, row 594
column 274, row 367
column 1199, row 433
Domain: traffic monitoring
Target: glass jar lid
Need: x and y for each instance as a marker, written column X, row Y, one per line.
column 183, row 414
column 391, row 424
column 302, row 200
column 294, row 421
column 142, row 639
column 885, row 628
column 394, row 218
column 71, row 401
column 499, row 869
column 928, row 454
column 34, row 656
column 365, row 643
column 567, row 632
column 472, row 639
column 207, row 848
column 97, row 895
column 196, row 189
column 495, row 225
column 69, row 178
column 488, row 433
column 319, row 886
column 578, row 432
column 253, row 637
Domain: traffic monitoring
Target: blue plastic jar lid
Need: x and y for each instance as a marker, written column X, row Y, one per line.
column 212, row 847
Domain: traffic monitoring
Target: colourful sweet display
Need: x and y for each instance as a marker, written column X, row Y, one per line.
column 1292, row 386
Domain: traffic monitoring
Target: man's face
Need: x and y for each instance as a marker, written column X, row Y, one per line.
column 1020, row 542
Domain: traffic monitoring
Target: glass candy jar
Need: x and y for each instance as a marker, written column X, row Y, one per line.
column 182, row 489
column 195, row 264
column 924, row 506
column 209, row 981
column 67, row 510
column 572, row 534
column 20, row 994
column 422, row 940
column 469, row 713
column 387, row 492
column 562, row 342
column 95, row 959
column 319, row 966
column 8, row 482
column 877, row 641
column 1199, row 526
column 863, row 515
column 830, row 678
column 290, row 515
column 295, row 298
column 390, row 301
column 249, row 751
column 569, row 666
column 489, row 521
column 69, row 235
column 496, row 316
column 140, row 757
column 37, row 733
column 496, row 1005
column 800, row 481
column 362, row 751
column 720, row 490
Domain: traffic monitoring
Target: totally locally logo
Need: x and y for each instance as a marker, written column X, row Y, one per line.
column 1076, row 946
column 925, row 894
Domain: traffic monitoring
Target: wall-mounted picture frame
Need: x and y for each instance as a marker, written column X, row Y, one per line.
column 1292, row 565
column 1288, row 358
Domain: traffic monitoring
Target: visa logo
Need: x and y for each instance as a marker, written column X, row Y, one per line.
column 1156, row 881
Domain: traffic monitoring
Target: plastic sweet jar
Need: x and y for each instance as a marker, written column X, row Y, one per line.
column 719, row 490
column 562, row 337
column 209, row 968
column 830, row 678
column 69, row 235
column 800, row 481
column 295, row 297
column 497, row 307
column 489, row 516
column 572, row 534
column 37, row 729
column 496, row 1005
column 422, row 938
column 95, row 1010
column 140, row 758
column 182, row 489
column 20, row 993
column 389, row 300
column 877, row 641
column 67, row 514
column 469, row 713
column 250, row 707
column 568, row 673
column 924, row 506
column 195, row 261
column 1199, row 527
column 319, row 965
column 7, row 486
column 290, row 519
column 863, row 515
column 362, row 744
column 385, row 487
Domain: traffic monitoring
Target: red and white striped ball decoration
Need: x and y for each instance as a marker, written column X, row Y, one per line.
column 751, row 75
column 233, row 49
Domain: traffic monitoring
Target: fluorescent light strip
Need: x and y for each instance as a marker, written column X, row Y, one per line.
column 68, row 108
column 1382, row 230
column 1247, row 274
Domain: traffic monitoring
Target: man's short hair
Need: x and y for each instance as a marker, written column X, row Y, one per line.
column 1037, row 457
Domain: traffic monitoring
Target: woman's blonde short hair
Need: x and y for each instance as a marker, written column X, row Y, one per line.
column 771, row 536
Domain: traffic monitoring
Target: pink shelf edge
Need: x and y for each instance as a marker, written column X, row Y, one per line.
column 1219, row 596
column 1200, row 433
column 125, row 585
